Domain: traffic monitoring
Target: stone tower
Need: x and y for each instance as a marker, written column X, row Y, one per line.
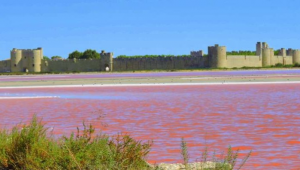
column 106, row 61
column 296, row 57
column 217, row 56
column 26, row 60
column 267, row 55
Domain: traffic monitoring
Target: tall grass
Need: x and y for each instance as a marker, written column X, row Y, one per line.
column 184, row 153
column 226, row 161
column 32, row 147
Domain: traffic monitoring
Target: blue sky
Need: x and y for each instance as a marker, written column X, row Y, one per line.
column 138, row 27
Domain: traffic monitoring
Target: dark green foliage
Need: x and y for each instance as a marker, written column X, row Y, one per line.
column 278, row 65
column 32, row 147
column 276, row 52
column 151, row 56
column 241, row 53
column 75, row 54
column 46, row 58
column 90, row 54
column 56, row 57
column 296, row 65
column 87, row 54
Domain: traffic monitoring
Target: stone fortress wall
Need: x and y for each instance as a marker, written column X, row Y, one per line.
column 159, row 63
column 216, row 58
column 264, row 57
column 32, row 61
column 79, row 65
column 26, row 60
column 5, row 66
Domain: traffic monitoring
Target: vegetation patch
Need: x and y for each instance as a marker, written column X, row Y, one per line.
column 151, row 56
column 33, row 147
column 253, row 53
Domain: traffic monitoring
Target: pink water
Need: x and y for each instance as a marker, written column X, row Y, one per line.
column 261, row 118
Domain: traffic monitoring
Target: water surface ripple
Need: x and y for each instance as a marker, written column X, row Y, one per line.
column 261, row 118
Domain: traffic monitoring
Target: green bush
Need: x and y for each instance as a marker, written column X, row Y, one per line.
column 32, row 147
column 278, row 65
column 296, row 65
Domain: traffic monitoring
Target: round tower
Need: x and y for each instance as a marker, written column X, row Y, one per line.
column 258, row 48
column 266, row 57
column 36, row 61
column 221, row 57
column 16, row 60
column 296, row 57
column 41, row 52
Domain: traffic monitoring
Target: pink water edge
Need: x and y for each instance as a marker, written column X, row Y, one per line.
column 261, row 118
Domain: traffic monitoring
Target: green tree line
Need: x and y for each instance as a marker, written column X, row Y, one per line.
column 53, row 58
column 241, row 53
column 276, row 52
column 151, row 56
column 87, row 54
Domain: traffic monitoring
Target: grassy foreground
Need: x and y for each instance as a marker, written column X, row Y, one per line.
column 32, row 146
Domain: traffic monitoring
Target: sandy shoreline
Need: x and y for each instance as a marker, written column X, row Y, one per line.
column 59, row 81
column 157, row 84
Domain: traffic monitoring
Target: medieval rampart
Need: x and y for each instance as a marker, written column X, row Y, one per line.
column 264, row 56
column 5, row 66
column 160, row 63
column 239, row 61
column 73, row 65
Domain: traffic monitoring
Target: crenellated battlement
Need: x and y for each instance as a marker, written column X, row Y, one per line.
column 31, row 60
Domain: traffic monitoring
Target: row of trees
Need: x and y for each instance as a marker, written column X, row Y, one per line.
column 87, row 54
column 151, row 56
column 241, row 53
column 56, row 57
column 276, row 52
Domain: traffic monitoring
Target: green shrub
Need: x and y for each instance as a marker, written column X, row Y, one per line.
column 278, row 65
column 296, row 65
column 32, row 147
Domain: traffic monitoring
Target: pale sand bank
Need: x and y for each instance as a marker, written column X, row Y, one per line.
column 22, row 82
column 154, row 84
